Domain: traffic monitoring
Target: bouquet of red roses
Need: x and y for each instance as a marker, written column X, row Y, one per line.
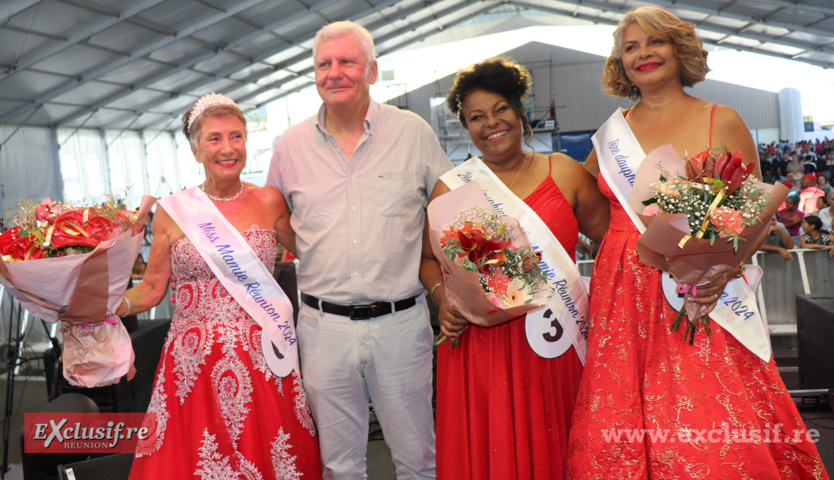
column 73, row 265
column 484, row 242
column 489, row 268
column 702, row 216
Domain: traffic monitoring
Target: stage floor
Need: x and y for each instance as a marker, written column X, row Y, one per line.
column 30, row 395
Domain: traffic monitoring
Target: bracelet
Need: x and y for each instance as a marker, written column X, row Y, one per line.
column 127, row 313
column 431, row 293
column 740, row 272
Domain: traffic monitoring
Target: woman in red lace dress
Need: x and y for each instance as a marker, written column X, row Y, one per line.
column 651, row 405
column 218, row 411
column 503, row 412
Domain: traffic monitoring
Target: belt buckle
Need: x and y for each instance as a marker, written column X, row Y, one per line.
column 363, row 312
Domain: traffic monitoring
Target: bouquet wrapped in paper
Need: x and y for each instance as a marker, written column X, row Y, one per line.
column 702, row 216
column 490, row 271
column 73, row 265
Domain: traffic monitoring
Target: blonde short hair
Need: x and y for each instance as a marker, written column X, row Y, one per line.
column 192, row 132
column 665, row 25
column 343, row 28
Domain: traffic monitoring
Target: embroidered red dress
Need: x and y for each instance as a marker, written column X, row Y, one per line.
column 220, row 413
column 710, row 400
column 502, row 411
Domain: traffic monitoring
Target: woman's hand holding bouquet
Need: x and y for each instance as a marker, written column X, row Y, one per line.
column 702, row 217
column 490, row 272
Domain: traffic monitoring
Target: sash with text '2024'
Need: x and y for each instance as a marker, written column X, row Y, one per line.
column 240, row 270
column 569, row 302
column 619, row 154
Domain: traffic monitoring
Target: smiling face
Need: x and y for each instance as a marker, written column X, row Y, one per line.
column 344, row 74
column 221, row 147
column 494, row 126
column 649, row 60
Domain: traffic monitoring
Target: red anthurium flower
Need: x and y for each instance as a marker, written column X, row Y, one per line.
column 23, row 249
column 69, row 231
column 7, row 238
column 101, row 228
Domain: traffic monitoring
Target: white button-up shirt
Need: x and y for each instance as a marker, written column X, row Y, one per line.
column 359, row 221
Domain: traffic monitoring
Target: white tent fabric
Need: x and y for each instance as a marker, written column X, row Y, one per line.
column 26, row 167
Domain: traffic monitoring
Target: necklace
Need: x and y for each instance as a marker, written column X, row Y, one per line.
column 520, row 168
column 220, row 199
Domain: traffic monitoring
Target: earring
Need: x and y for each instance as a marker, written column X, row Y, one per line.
column 469, row 148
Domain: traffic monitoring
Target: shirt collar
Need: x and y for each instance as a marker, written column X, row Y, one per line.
column 371, row 117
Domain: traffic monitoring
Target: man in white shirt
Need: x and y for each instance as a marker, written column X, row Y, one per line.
column 357, row 177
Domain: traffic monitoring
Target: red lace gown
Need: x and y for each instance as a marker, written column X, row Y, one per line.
column 502, row 411
column 644, row 381
column 220, row 413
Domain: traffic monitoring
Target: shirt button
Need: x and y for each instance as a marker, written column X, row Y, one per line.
column 353, row 208
column 355, row 274
column 355, row 242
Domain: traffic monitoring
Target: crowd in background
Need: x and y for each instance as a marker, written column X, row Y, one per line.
column 804, row 220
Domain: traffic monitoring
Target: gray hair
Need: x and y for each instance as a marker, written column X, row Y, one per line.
column 343, row 28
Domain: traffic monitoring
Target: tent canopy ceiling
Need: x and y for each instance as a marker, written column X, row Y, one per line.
column 140, row 64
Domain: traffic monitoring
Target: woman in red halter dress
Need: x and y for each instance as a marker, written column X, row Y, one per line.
column 650, row 405
column 503, row 412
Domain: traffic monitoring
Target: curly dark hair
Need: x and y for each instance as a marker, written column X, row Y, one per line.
column 500, row 75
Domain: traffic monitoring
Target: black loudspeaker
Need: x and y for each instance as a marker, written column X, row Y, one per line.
column 111, row 467
column 815, row 335
column 41, row 466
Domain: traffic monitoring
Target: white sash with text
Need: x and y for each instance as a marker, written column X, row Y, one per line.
column 240, row 270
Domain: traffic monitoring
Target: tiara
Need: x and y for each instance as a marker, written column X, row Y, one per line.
column 207, row 101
